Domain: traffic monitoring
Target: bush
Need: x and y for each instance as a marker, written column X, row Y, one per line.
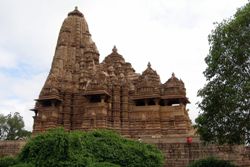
column 56, row 148
column 103, row 164
column 211, row 162
column 8, row 161
column 99, row 148
column 110, row 147
column 23, row 165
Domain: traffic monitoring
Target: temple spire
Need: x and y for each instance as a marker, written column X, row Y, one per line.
column 114, row 50
column 173, row 75
column 149, row 65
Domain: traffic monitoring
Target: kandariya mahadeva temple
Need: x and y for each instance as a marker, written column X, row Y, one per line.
column 82, row 93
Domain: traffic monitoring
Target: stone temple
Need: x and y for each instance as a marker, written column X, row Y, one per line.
column 81, row 93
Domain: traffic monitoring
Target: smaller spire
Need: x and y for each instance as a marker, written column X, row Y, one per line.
column 114, row 50
column 75, row 12
column 173, row 75
column 149, row 65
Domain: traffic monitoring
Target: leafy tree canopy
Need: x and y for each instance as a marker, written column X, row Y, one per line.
column 12, row 127
column 226, row 97
column 99, row 148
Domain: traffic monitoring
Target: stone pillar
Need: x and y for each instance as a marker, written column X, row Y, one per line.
column 103, row 112
column 109, row 113
column 165, row 102
column 116, row 100
column 60, row 114
column 102, row 99
column 77, row 116
column 157, row 101
column 53, row 103
column 67, row 111
column 124, row 110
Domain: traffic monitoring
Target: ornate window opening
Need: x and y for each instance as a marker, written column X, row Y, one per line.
column 174, row 102
column 46, row 103
column 140, row 102
column 95, row 99
column 151, row 102
column 170, row 102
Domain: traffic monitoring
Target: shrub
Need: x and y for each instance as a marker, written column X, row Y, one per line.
column 211, row 162
column 100, row 148
column 55, row 148
column 8, row 161
column 103, row 164
column 23, row 165
column 110, row 147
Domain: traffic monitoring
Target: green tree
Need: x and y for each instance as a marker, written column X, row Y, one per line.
column 226, row 97
column 12, row 127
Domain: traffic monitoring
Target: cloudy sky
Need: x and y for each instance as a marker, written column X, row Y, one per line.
column 171, row 34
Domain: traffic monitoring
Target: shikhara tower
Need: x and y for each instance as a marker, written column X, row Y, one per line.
column 80, row 93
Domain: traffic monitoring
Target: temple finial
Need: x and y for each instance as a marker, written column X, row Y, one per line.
column 149, row 65
column 114, row 50
column 173, row 75
column 75, row 12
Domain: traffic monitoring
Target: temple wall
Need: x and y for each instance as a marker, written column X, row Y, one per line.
column 144, row 120
column 11, row 148
column 181, row 154
column 159, row 120
column 177, row 152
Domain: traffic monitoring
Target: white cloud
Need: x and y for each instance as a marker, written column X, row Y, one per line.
column 18, row 94
column 7, row 59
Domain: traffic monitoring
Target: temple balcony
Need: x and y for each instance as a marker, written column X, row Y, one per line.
column 146, row 108
column 96, row 105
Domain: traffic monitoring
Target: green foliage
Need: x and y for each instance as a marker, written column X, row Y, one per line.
column 54, row 148
column 23, row 165
column 102, row 148
column 226, row 97
column 8, row 161
column 12, row 127
column 211, row 162
column 121, row 151
column 103, row 164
